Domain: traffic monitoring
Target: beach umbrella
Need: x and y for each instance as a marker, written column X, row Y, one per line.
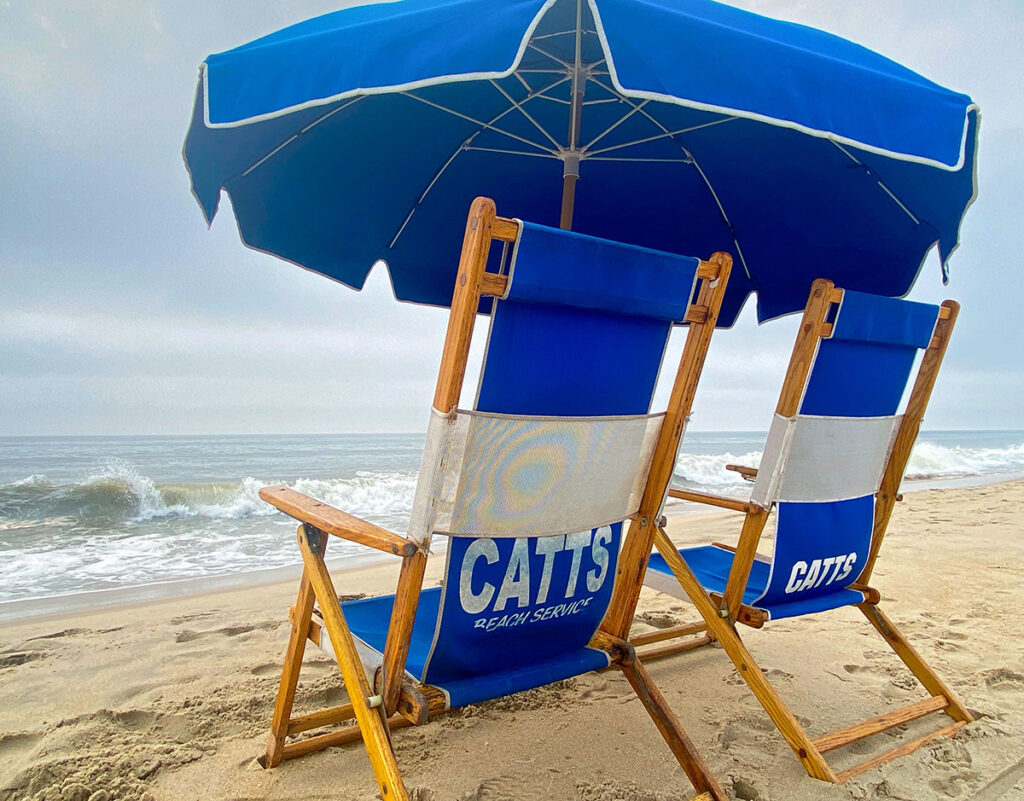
column 683, row 125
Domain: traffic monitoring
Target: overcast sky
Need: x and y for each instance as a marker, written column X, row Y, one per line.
column 120, row 313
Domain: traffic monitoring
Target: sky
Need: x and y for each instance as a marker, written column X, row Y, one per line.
column 121, row 313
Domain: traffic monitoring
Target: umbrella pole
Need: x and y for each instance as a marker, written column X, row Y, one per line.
column 571, row 158
column 570, row 175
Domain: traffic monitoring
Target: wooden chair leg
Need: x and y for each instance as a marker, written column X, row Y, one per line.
column 370, row 719
column 668, row 724
column 913, row 660
column 301, row 618
column 723, row 631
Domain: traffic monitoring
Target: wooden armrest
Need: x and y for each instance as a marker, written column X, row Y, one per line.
column 749, row 473
column 333, row 521
column 711, row 500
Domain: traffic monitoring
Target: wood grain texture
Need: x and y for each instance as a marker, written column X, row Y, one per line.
column 493, row 285
column 896, row 753
column 371, row 723
column 723, row 631
column 670, row 633
column 668, row 724
column 912, row 659
column 823, row 295
column 743, row 560
column 880, row 723
column 301, row 613
column 813, row 328
column 638, row 542
column 322, row 717
column 711, row 500
column 334, row 521
column 749, row 473
column 903, row 444
column 749, row 616
column 403, row 615
column 505, row 229
column 349, row 734
column 465, row 301
column 652, row 652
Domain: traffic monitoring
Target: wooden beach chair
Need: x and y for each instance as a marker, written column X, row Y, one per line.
column 530, row 488
column 832, row 465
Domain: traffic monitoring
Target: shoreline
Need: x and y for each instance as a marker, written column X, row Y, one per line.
column 169, row 700
column 47, row 608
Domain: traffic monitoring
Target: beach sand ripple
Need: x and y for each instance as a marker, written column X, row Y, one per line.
column 171, row 700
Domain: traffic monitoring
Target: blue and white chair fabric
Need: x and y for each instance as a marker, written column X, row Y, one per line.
column 822, row 467
column 531, row 486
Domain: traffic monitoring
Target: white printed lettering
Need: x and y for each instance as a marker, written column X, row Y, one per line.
column 806, row 576
column 596, row 577
column 547, row 547
column 812, row 574
column 576, row 543
column 474, row 603
column 848, row 567
column 796, row 576
column 516, row 583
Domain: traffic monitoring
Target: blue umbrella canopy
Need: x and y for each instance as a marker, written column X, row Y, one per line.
column 681, row 125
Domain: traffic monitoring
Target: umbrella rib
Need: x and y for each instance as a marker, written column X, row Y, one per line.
column 485, row 125
column 551, row 35
column 721, row 210
column 666, row 135
column 633, row 110
column 880, row 182
column 525, row 113
column 626, row 159
column 562, row 33
column 554, row 58
column 295, row 136
column 522, row 80
column 703, row 175
column 452, row 157
column 511, row 152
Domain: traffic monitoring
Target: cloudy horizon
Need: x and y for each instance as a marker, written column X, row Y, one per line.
column 121, row 313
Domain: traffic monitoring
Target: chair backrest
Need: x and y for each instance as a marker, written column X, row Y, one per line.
column 824, row 464
column 531, row 486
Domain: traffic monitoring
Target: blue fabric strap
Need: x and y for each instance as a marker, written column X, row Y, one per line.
column 884, row 321
column 563, row 268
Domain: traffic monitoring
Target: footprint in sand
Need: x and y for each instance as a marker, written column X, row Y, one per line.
column 188, row 635
column 503, row 788
column 177, row 621
column 63, row 633
column 17, row 744
column 15, row 658
column 1002, row 679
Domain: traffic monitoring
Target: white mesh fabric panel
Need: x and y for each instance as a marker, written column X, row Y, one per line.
column 511, row 476
column 440, row 467
column 810, row 459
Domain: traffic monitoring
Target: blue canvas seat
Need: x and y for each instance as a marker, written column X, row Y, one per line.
column 831, row 468
column 530, row 487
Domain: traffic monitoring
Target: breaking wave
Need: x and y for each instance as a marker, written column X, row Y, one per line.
column 929, row 460
column 119, row 493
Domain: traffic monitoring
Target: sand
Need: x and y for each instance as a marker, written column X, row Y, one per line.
column 171, row 699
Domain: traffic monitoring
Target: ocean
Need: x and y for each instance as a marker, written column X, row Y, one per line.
column 84, row 514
